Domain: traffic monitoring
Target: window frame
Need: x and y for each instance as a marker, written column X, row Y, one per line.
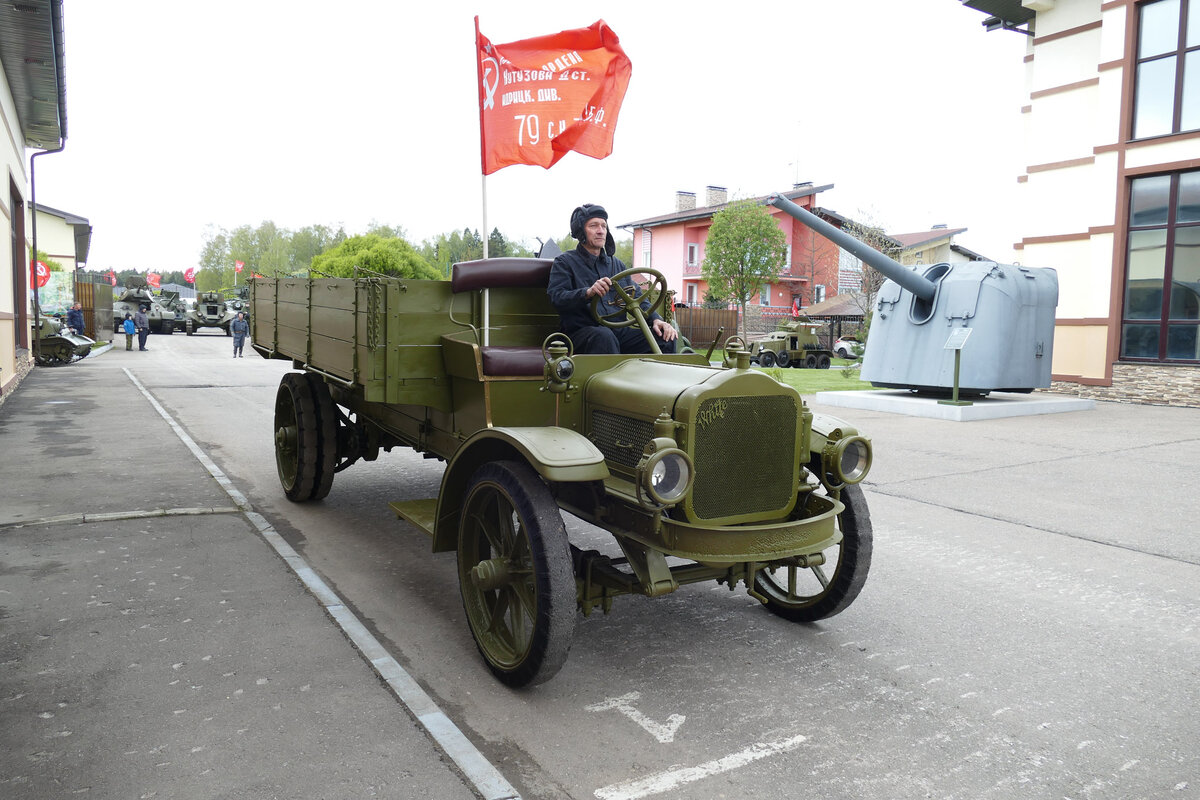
column 1179, row 56
column 1163, row 321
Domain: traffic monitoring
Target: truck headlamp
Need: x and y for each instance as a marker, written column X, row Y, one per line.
column 562, row 368
column 666, row 476
column 850, row 459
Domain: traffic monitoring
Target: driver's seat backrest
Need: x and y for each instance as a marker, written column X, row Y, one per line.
column 504, row 273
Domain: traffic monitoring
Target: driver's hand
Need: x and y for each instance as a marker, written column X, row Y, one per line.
column 665, row 332
column 600, row 287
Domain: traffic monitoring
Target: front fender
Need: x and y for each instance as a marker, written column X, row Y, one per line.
column 558, row 455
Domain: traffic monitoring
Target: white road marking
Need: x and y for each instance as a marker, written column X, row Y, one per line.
column 624, row 704
column 477, row 770
column 674, row 778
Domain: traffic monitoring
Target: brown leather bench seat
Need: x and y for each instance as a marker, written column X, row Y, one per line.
column 505, row 273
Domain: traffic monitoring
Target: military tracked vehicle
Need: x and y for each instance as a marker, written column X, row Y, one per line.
column 57, row 344
column 794, row 344
column 212, row 310
column 137, row 294
column 664, row 452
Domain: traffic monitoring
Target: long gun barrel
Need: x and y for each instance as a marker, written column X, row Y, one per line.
column 917, row 284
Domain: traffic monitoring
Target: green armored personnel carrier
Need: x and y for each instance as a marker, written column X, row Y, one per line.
column 663, row 452
column 794, row 344
column 212, row 310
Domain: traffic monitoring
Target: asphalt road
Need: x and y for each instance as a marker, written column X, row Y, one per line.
column 1029, row 628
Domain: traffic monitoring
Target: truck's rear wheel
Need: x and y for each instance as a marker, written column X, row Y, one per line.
column 305, row 438
column 515, row 574
column 809, row 594
column 823, row 361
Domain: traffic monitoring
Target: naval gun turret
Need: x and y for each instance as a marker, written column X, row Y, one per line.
column 1006, row 310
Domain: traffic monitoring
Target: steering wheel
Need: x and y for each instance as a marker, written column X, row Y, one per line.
column 632, row 310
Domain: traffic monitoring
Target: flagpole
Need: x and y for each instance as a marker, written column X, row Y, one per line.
column 483, row 179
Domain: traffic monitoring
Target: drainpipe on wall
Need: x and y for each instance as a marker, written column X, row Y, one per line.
column 56, row 31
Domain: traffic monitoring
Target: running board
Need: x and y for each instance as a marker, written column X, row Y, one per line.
column 422, row 513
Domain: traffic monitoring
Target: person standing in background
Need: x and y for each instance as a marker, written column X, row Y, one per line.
column 142, row 323
column 240, row 328
column 130, row 329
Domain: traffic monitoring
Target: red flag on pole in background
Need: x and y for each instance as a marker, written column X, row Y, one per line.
column 795, row 306
column 540, row 98
column 39, row 274
column 237, row 266
column 154, row 279
column 189, row 274
column 112, row 277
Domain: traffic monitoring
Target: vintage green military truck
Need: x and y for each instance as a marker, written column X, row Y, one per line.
column 664, row 452
column 793, row 344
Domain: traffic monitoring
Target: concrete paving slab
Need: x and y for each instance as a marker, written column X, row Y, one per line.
column 996, row 405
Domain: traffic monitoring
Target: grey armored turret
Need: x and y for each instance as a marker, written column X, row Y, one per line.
column 1008, row 309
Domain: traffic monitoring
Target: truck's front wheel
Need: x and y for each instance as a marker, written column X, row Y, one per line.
column 807, row 594
column 515, row 574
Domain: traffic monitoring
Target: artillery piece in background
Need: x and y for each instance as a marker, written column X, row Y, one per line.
column 1009, row 310
column 212, row 310
column 137, row 293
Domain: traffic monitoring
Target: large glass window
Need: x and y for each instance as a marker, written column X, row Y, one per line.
column 1161, row 315
column 1167, row 81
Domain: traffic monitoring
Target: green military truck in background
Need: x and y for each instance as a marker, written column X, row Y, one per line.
column 664, row 452
column 793, row 344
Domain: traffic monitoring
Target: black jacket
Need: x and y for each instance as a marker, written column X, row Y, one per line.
column 572, row 275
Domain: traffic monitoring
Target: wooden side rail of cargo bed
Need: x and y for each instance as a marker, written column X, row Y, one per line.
column 504, row 273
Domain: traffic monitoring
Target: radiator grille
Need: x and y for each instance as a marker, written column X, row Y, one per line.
column 621, row 439
column 744, row 450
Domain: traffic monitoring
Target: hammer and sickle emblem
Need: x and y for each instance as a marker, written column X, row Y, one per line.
column 491, row 71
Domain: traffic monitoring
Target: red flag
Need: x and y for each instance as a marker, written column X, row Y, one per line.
column 237, row 266
column 39, row 274
column 189, row 274
column 153, row 278
column 540, row 98
column 112, row 277
column 256, row 275
column 795, row 306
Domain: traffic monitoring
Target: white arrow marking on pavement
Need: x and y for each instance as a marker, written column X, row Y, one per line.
column 624, row 704
column 674, row 778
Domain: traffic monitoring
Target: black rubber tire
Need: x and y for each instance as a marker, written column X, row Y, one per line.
column 191, row 328
column 299, row 435
column 810, row 362
column 327, row 435
column 850, row 560
column 783, row 358
column 510, row 520
column 766, row 359
column 823, row 362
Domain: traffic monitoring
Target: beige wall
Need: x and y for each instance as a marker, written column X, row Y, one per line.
column 12, row 171
column 1067, row 195
column 55, row 238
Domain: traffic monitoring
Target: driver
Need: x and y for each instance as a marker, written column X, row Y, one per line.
column 586, row 272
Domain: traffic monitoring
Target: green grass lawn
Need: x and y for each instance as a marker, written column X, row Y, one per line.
column 811, row 381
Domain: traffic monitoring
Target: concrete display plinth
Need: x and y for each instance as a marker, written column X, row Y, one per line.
column 995, row 406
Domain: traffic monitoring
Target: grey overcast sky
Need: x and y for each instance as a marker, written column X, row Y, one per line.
column 183, row 116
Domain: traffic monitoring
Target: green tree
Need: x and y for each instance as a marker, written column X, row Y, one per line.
column 745, row 250
column 497, row 244
column 389, row 256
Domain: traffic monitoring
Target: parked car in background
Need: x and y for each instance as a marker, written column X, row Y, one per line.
column 847, row 347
